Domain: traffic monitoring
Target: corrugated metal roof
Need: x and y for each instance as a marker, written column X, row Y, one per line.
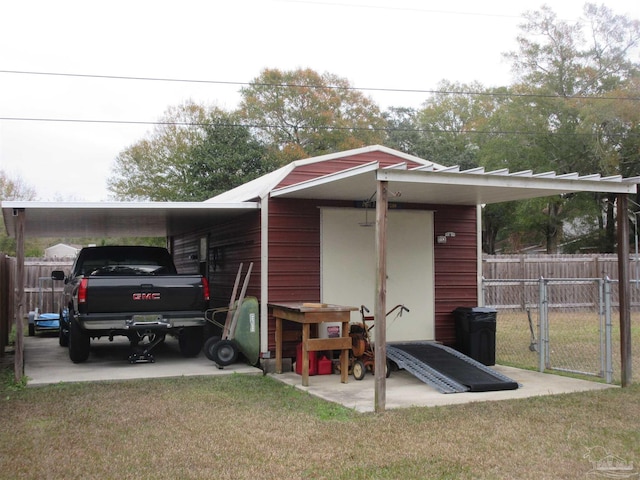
column 428, row 183
column 261, row 187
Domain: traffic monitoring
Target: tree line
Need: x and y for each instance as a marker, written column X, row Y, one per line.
column 572, row 107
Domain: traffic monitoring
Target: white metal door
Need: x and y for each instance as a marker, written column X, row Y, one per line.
column 348, row 266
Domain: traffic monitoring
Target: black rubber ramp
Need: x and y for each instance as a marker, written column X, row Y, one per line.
column 456, row 366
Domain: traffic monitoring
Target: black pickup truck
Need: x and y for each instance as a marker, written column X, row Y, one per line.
column 133, row 291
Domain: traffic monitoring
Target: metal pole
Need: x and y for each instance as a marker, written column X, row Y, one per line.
column 607, row 331
column 635, row 217
column 542, row 346
column 602, row 326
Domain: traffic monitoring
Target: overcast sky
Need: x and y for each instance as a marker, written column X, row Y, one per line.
column 390, row 44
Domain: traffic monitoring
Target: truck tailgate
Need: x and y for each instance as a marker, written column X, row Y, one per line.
column 145, row 294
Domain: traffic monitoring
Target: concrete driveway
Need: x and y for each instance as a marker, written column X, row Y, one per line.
column 46, row 363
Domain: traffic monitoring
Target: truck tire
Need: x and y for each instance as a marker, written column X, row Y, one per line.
column 79, row 343
column 190, row 341
column 63, row 333
column 63, row 338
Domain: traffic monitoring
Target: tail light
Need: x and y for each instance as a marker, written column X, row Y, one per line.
column 82, row 290
column 205, row 288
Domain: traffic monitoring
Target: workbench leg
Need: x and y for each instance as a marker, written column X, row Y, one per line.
column 344, row 356
column 278, row 345
column 305, row 355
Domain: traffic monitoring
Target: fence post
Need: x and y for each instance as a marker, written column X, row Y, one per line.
column 608, row 350
column 543, row 341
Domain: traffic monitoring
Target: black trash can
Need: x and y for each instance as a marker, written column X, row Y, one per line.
column 476, row 333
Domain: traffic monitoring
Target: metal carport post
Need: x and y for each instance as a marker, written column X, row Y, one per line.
column 19, row 213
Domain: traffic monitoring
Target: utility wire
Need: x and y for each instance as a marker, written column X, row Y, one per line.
column 333, row 87
column 320, row 127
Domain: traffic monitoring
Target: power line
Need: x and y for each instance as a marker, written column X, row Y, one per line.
column 320, row 127
column 334, row 87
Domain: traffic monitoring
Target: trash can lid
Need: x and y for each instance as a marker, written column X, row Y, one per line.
column 476, row 309
column 483, row 310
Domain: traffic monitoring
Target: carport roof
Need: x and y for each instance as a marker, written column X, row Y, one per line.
column 411, row 180
column 427, row 183
column 118, row 219
column 451, row 186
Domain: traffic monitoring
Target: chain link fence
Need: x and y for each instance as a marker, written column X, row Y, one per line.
column 569, row 325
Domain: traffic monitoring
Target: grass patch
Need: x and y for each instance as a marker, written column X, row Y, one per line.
column 574, row 341
column 253, row 427
column 8, row 381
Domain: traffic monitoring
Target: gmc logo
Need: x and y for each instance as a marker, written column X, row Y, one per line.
column 146, row 296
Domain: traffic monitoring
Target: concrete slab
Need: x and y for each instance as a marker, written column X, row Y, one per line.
column 404, row 390
column 46, row 362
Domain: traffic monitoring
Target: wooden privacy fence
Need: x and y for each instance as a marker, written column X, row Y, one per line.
column 557, row 267
column 39, row 291
column 495, row 267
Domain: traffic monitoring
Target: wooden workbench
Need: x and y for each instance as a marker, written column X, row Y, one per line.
column 308, row 314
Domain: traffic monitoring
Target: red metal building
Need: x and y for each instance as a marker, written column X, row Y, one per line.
column 287, row 240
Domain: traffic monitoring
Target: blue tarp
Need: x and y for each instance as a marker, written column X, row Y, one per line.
column 47, row 320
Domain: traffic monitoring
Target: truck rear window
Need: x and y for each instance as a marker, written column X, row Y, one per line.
column 125, row 261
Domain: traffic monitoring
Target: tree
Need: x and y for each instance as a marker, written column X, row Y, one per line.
column 568, row 128
column 302, row 113
column 11, row 189
column 15, row 188
column 157, row 167
column 557, row 57
column 227, row 156
column 403, row 132
column 453, row 123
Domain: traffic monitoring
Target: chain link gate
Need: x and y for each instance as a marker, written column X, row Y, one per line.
column 554, row 324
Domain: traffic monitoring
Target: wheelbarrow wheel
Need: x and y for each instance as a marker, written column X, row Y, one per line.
column 359, row 370
column 225, row 352
column 208, row 347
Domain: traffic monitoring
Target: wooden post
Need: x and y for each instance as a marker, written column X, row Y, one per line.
column 624, row 290
column 19, row 213
column 380, row 320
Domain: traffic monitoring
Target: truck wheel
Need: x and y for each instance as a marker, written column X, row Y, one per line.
column 225, row 352
column 63, row 339
column 190, row 341
column 79, row 343
column 63, row 330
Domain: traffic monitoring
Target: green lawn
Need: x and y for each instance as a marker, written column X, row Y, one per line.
column 253, row 427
